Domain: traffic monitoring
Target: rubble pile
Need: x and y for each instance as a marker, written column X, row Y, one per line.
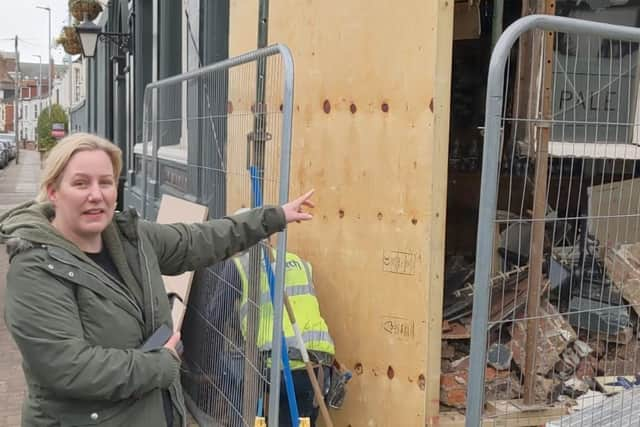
column 587, row 344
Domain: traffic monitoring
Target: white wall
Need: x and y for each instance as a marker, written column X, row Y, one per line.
column 31, row 109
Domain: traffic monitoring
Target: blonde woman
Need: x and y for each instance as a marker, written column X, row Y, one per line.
column 84, row 291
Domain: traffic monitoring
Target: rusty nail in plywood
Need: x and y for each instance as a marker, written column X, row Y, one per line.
column 358, row 368
column 422, row 382
column 384, row 107
column 341, row 213
column 229, row 107
column 353, row 108
column 281, row 107
column 326, row 106
column 390, row 373
column 431, row 105
column 414, row 221
column 380, row 216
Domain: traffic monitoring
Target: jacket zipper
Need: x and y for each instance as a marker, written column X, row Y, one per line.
column 146, row 266
column 115, row 288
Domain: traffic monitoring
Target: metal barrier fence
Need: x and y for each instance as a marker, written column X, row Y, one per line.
column 558, row 248
column 221, row 136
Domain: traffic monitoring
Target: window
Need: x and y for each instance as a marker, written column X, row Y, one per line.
column 35, row 112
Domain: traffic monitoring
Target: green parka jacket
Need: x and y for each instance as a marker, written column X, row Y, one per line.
column 78, row 330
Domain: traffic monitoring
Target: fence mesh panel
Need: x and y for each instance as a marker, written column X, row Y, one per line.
column 221, row 136
column 557, row 286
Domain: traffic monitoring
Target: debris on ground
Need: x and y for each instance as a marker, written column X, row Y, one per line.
column 587, row 343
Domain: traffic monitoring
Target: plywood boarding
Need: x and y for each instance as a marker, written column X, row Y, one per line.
column 172, row 210
column 370, row 135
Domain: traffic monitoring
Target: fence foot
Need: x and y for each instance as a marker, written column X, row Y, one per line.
column 262, row 422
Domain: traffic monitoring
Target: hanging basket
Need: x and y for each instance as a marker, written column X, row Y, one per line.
column 79, row 8
column 68, row 39
column 69, row 32
column 72, row 47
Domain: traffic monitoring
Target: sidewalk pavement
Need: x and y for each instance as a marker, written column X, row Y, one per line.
column 18, row 183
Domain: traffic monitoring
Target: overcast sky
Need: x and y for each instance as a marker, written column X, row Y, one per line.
column 31, row 25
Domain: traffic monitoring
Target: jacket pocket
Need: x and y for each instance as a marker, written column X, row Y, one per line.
column 144, row 412
column 78, row 417
column 77, row 413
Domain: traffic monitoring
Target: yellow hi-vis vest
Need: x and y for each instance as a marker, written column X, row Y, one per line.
column 299, row 288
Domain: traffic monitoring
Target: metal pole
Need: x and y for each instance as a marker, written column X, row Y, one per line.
column 16, row 115
column 70, row 73
column 39, row 90
column 49, row 63
column 285, row 169
column 259, row 140
column 39, row 83
column 48, row 9
column 257, row 154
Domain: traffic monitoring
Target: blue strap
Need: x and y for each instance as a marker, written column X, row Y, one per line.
column 288, row 378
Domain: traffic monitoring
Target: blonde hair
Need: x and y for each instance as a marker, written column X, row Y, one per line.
column 62, row 152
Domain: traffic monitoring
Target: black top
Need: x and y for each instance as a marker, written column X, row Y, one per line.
column 104, row 260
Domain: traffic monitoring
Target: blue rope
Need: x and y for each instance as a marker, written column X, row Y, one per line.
column 288, row 378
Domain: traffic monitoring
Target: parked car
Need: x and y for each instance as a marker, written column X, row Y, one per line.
column 4, row 154
column 11, row 140
column 14, row 149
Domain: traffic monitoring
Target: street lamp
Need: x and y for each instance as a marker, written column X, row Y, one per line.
column 89, row 35
column 48, row 9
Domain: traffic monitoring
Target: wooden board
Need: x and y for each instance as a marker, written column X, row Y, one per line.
column 606, row 383
column 623, row 266
column 466, row 23
column 174, row 210
column 371, row 124
column 512, row 419
column 616, row 208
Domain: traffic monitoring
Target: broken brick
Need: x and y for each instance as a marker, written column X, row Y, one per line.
column 448, row 351
column 554, row 335
column 453, row 385
column 456, row 331
column 587, row 368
